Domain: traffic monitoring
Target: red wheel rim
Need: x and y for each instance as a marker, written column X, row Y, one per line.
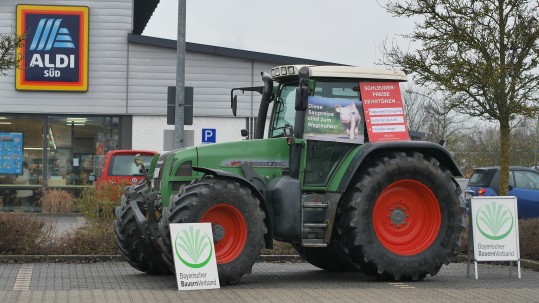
column 235, row 231
column 407, row 217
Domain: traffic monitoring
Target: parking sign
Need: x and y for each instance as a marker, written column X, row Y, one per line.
column 209, row 135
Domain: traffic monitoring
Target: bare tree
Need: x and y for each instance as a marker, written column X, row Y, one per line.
column 432, row 115
column 483, row 53
column 9, row 56
column 414, row 104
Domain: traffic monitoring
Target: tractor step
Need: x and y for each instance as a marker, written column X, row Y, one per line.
column 314, row 225
column 313, row 243
column 317, row 213
column 314, row 205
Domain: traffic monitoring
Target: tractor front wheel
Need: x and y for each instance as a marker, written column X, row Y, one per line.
column 237, row 223
column 142, row 256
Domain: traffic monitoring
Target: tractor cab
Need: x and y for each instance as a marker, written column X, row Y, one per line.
column 323, row 107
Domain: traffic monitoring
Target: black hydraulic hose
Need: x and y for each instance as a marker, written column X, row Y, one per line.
column 264, row 105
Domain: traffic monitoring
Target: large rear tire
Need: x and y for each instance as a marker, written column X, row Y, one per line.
column 237, row 223
column 144, row 257
column 402, row 218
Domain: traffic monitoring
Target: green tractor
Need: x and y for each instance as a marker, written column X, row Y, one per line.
column 324, row 180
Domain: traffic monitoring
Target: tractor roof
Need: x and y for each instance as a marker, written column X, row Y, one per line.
column 286, row 71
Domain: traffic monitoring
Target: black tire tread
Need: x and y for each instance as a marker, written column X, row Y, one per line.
column 188, row 206
column 357, row 239
column 141, row 256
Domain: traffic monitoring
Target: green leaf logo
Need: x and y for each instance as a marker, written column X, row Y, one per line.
column 192, row 246
column 494, row 221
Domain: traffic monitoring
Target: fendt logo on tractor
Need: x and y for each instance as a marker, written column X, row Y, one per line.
column 346, row 187
column 55, row 51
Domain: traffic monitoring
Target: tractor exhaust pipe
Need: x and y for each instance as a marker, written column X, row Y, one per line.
column 264, row 105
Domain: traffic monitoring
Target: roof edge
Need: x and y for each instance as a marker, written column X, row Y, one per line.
column 224, row 51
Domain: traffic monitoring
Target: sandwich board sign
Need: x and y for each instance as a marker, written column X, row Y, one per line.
column 495, row 230
column 194, row 256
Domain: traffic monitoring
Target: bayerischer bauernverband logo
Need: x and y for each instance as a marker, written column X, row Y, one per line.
column 55, row 51
column 194, row 248
column 494, row 221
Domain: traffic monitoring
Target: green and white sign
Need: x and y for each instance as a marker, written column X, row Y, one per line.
column 495, row 228
column 194, row 256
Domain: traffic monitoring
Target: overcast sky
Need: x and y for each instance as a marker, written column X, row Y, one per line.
column 339, row 31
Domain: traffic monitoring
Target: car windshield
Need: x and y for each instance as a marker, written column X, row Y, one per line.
column 526, row 179
column 124, row 165
column 481, row 177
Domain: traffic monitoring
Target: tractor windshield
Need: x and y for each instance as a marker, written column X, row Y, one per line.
column 284, row 111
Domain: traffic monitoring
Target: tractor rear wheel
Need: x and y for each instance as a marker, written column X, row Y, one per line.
column 237, row 224
column 144, row 257
column 402, row 219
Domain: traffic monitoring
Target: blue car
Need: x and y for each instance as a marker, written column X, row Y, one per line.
column 523, row 184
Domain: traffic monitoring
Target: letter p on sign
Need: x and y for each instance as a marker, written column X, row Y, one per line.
column 209, row 135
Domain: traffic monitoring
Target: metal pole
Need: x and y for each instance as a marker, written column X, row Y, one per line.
column 180, row 77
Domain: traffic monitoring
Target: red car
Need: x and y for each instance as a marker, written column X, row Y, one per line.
column 118, row 165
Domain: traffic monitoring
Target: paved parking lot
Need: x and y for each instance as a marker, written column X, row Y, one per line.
column 269, row 282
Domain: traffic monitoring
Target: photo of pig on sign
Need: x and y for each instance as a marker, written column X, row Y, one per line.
column 384, row 113
column 334, row 119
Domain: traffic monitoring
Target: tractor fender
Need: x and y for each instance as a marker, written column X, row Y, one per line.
column 372, row 150
column 257, row 185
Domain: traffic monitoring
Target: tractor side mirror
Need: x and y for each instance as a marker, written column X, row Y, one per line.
column 244, row 133
column 302, row 95
column 234, row 105
column 91, row 177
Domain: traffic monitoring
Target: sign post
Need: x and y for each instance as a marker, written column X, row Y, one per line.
column 194, row 256
column 495, row 230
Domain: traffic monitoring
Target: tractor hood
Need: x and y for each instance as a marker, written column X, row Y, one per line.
column 259, row 154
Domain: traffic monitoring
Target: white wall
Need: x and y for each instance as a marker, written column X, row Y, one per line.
column 152, row 69
column 148, row 130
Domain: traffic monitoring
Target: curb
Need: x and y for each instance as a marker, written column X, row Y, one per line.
column 113, row 258
column 529, row 264
column 59, row 258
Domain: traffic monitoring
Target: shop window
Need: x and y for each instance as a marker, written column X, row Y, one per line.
column 75, row 146
column 21, row 162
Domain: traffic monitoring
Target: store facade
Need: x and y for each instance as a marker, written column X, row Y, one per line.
column 91, row 82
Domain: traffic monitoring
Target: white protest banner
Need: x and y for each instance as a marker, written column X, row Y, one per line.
column 194, row 256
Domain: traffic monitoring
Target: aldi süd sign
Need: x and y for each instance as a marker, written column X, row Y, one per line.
column 55, row 51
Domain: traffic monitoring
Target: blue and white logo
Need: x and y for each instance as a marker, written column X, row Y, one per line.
column 209, row 135
column 49, row 34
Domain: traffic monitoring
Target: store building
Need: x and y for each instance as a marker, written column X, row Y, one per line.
column 92, row 83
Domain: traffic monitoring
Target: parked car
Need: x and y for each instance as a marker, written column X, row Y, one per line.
column 523, row 184
column 118, row 165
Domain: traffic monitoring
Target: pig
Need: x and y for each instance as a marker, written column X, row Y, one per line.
column 350, row 119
